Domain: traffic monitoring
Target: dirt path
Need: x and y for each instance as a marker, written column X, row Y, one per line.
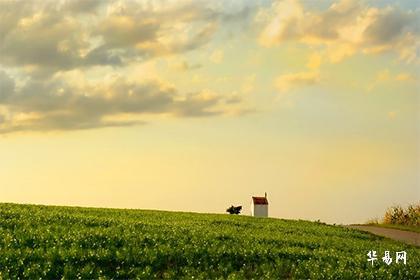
column 400, row 235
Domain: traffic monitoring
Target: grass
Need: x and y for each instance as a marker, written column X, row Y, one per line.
column 51, row 242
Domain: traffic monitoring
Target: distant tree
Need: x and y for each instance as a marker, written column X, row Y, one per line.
column 234, row 210
column 397, row 215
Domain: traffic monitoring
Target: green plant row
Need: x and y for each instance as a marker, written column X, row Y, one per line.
column 67, row 242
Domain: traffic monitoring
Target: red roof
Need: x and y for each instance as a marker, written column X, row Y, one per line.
column 260, row 200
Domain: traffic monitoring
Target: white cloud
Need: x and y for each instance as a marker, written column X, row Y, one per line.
column 386, row 77
column 283, row 22
column 345, row 28
column 51, row 35
column 289, row 81
column 70, row 56
column 56, row 104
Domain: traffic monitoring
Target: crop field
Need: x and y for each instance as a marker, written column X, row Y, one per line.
column 89, row 243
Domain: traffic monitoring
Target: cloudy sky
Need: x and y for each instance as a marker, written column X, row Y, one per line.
column 197, row 105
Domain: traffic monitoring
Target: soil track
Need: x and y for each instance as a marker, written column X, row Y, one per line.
column 400, row 235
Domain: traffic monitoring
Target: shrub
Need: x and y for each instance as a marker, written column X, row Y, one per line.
column 397, row 215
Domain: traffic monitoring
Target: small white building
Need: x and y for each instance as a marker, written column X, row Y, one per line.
column 259, row 206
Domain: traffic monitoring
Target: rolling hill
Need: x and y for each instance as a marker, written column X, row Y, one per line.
column 53, row 242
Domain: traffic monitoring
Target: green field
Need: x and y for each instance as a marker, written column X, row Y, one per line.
column 69, row 242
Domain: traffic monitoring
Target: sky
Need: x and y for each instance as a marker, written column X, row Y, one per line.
column 198, row 105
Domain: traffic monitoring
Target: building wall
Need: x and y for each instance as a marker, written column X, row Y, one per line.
column 259, row 210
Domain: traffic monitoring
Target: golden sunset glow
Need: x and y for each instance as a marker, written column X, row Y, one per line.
column 197, row 105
